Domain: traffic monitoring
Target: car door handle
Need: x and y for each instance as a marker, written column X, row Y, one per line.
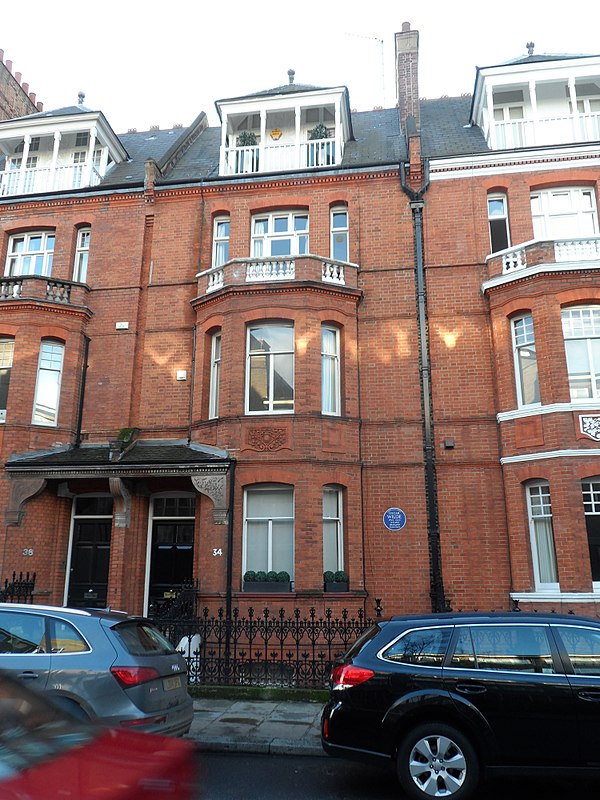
column 471, row 688
column 28, row 675
column 594, row 697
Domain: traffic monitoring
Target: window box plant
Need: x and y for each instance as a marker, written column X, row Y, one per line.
column 267, row 582
column 335, row 581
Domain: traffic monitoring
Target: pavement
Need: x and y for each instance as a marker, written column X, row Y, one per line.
column 285, row 727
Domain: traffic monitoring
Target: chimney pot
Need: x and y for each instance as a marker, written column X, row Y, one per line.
column 40, row 105
column 9, row 65
column 32, row 97
column 18, row 77
column 25, row 87
column 405, row 27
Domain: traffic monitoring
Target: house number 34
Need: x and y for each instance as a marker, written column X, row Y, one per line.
column 217, row 551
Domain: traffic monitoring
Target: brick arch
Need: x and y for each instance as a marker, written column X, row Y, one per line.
column 581, row 296
column 8, row 330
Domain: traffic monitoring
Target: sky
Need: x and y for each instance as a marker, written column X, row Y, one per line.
column 143, row 69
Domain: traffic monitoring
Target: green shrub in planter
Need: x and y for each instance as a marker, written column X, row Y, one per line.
column 246, row 139
column 261, row 576
column 341, row 576
column 328, row 576
column 335, row 581
column 318, row 132
column 283, row 576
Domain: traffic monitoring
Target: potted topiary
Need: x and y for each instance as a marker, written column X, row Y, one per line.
column 246, row 159
column 318, row 132
column 267, row 582
column 319, row 154
column 246, row 139
column 335, row 581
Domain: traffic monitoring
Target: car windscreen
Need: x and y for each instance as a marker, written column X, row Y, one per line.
column 141, row 638
column 33, row 730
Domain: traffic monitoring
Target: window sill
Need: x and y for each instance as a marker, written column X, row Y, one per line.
column 556, row 597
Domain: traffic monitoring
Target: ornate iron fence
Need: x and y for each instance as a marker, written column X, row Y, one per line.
column 257, row 649
column 18, row 590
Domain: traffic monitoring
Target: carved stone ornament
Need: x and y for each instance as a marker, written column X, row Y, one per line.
column 21, row 491
column 122, row 502
column 267, row 439
column 214, row 486
column 590, row 426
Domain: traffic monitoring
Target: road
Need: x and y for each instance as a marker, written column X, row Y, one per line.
column 233, row 776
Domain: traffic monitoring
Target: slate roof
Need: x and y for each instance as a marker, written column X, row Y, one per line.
column 445, row 128
column 150, row 452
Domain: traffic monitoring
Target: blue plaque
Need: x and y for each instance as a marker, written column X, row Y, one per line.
column 394, row 519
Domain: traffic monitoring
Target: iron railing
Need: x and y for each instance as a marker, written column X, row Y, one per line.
column 258, row 649
column 18, row 590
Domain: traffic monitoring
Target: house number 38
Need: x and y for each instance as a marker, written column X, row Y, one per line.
column 28, row 551
column 217, row 551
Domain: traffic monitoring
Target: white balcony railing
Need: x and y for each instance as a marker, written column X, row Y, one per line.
column 267, row 270
column 33, row 180
column 564, row 250
column 547, row 130
column 279, row 157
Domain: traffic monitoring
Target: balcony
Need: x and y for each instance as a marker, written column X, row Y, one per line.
column 245, row 271
column 538, row 253
column 545, row 131
column 277, row 158
column 37, row 288
column 32, row 180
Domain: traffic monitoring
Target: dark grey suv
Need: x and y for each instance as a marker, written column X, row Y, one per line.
column 103, row 665
column 446, row 698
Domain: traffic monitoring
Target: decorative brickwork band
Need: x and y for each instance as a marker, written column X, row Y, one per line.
column 21, row 491
column 122, row 502
column 214, row 486
column 590, row 426
column 267, row 438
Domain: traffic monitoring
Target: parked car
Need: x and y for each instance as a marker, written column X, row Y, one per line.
column 450, row 697
column 46, row 754
column 99, row 665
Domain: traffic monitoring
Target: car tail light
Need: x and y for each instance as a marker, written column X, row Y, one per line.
column 349, row 675
column 133, row 676
column 132, row 723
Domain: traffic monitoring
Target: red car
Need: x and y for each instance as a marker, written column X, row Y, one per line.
column 45, row 754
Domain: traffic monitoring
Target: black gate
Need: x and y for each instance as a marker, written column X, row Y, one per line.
column 18, row 590
column 256, row 649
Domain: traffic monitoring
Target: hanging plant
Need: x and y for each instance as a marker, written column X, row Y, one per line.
column 318, row 132
column 246, row 139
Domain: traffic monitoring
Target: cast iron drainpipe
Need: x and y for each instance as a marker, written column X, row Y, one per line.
column 229, row 588
column 438, row 598
column 86, row 350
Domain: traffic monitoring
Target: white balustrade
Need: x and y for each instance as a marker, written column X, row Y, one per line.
column 333, row 272
column 514, row 260
column 577, row 249
column 271, row 270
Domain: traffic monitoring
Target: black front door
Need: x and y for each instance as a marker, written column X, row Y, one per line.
column 90, row 557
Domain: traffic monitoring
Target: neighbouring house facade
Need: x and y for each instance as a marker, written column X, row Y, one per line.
column 15, row 98
column 308, row 341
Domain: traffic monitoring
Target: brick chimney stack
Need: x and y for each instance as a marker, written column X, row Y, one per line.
column 407, row 75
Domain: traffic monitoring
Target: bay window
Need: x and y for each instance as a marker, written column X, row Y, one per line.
column 7, row 346
column 564, row 212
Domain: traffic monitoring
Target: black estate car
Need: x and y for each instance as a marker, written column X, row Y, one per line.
column 449, row 697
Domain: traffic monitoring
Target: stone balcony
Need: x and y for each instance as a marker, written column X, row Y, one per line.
column 551, row 255
column 41, row 289
column 249, row 271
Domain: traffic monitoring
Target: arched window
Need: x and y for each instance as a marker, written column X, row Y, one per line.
column 542, row 537
column 333, row 529
column 269, row 529
column 525, row 358
column 47, row 388
column 270, row 368
column 82, row 250
column 581, row 331
column 339, row 233
column 7, row 346
column 498, row 222
column 220, row 241
column 330, row 370
column 215, row 375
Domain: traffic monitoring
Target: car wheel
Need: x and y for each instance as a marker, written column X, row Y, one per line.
column 436, row 760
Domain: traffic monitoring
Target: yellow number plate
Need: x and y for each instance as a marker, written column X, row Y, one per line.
column 172, row 683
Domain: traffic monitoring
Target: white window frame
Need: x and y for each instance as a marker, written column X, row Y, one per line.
column 338, row 522
column 331, row 398
column 271, row 357
column 580, row 213
column 7, row 348
column 50, row 366
column 582, row 323
column 269, row 519
column 221, row 234
column 523, row 339
column 266, row 236
column 590, row 489
column 539, row 509
column 494, row 217
column 82, row 250
column 339, row 231
column 215, row 375
column 41, row 257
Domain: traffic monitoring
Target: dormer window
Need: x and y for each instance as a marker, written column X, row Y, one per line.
column 34, row 145
column 82, row 139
